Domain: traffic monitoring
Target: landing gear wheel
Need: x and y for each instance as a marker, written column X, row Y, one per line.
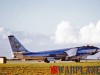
column 77, row 60
column 46, row 60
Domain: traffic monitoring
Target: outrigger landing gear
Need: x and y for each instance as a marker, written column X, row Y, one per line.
column 63, row 59
column 46, row 60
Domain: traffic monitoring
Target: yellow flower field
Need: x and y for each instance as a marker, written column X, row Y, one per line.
column 67, row 68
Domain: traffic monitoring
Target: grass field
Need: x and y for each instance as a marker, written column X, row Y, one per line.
column 59, row 68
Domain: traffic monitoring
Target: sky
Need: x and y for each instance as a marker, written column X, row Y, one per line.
column 49, row 24
column 43, row 16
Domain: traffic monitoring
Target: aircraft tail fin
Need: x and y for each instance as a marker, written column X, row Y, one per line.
column 16, row 45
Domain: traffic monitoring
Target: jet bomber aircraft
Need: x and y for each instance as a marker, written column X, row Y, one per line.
column 66, row 54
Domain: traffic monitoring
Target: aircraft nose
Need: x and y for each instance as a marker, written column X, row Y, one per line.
column 98, row 50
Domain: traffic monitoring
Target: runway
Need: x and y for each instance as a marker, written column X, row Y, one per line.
column 34, row 61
